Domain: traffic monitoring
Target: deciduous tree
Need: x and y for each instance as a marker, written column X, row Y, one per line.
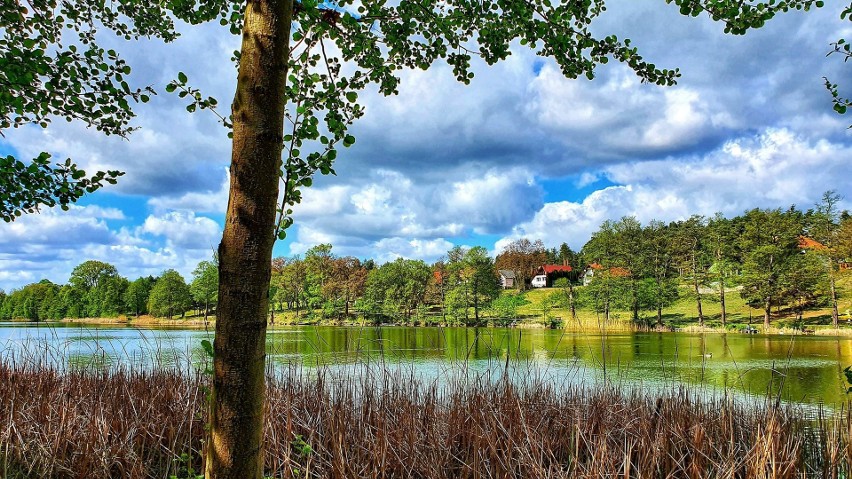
column 205, row 285
column 170, row 295
column 662, row 290
column 692, row 256
column 522, row 256
column 136, row 295
column 722, row 242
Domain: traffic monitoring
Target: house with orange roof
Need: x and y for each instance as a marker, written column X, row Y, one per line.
column 615, row 271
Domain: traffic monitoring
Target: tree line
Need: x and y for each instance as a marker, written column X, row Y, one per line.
column 773, row 258
column 96, row 289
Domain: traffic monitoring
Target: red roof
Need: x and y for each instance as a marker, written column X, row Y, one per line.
column 552, row 268
column 809, row 243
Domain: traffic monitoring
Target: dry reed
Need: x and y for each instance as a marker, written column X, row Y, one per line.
column 136, row 423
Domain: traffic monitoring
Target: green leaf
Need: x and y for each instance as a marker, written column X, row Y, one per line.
column 208, row 347
column 182, row 77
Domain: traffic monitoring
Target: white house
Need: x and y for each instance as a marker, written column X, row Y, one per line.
column 539, row 281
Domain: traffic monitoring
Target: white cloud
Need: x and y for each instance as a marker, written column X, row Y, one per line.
column 391, row 205
column 183, row 230
column 773, row 169
column 50, row 244
column 620, row 115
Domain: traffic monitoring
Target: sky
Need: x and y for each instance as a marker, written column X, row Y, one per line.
column 520, row 152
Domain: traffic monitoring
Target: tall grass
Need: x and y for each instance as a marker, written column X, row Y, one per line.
column 138, row 423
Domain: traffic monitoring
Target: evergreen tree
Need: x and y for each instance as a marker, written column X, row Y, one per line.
column 769, row 243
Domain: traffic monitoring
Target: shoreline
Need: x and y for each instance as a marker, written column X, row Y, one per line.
column 151, row 322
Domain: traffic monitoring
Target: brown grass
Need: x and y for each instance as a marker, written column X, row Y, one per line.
column 325, row 424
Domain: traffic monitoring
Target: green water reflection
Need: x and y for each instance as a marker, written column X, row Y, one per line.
column 800, row 369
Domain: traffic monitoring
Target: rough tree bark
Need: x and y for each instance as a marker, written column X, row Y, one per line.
column 235, row 448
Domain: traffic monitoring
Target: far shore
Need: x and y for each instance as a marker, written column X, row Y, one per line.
column 285, row 321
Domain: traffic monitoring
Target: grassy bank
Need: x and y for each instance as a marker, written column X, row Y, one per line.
column 683, row 313
column 142, row 423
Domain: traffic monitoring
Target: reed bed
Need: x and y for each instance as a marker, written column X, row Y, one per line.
column 388, row 423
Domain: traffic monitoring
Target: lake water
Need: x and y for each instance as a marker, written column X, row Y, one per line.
column 805, row 370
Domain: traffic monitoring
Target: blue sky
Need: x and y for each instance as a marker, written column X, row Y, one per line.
column 521, row 152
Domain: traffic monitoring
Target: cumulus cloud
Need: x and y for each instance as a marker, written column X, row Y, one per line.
column 774, row 169
column 50, row 244
column 171, row 152
column 183, row 230
column 390, row 205
column 55, row 229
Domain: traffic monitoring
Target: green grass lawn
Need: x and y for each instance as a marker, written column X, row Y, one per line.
column 684, row 312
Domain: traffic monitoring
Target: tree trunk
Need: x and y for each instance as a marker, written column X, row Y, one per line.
column 659, row 316
column 698, row 298
column 235, row 448
column 835, row 316
column 767, row 311
column 722, row 299
column 476, row 307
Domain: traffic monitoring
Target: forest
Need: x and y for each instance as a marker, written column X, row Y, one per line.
column 774, row 259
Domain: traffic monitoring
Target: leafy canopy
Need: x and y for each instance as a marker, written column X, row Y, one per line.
column 52, row 66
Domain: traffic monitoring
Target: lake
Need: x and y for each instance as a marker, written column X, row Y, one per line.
column 803, row 369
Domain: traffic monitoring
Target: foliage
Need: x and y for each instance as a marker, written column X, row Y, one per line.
column 843, row 49
column 205, row 285
column 505, row 307
column 41, row 183
column 769, row 240
column 606, row 292
column 471, row 282
column 137, row 293
column 33, row 302
column 395, row 289
column 170, row 295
